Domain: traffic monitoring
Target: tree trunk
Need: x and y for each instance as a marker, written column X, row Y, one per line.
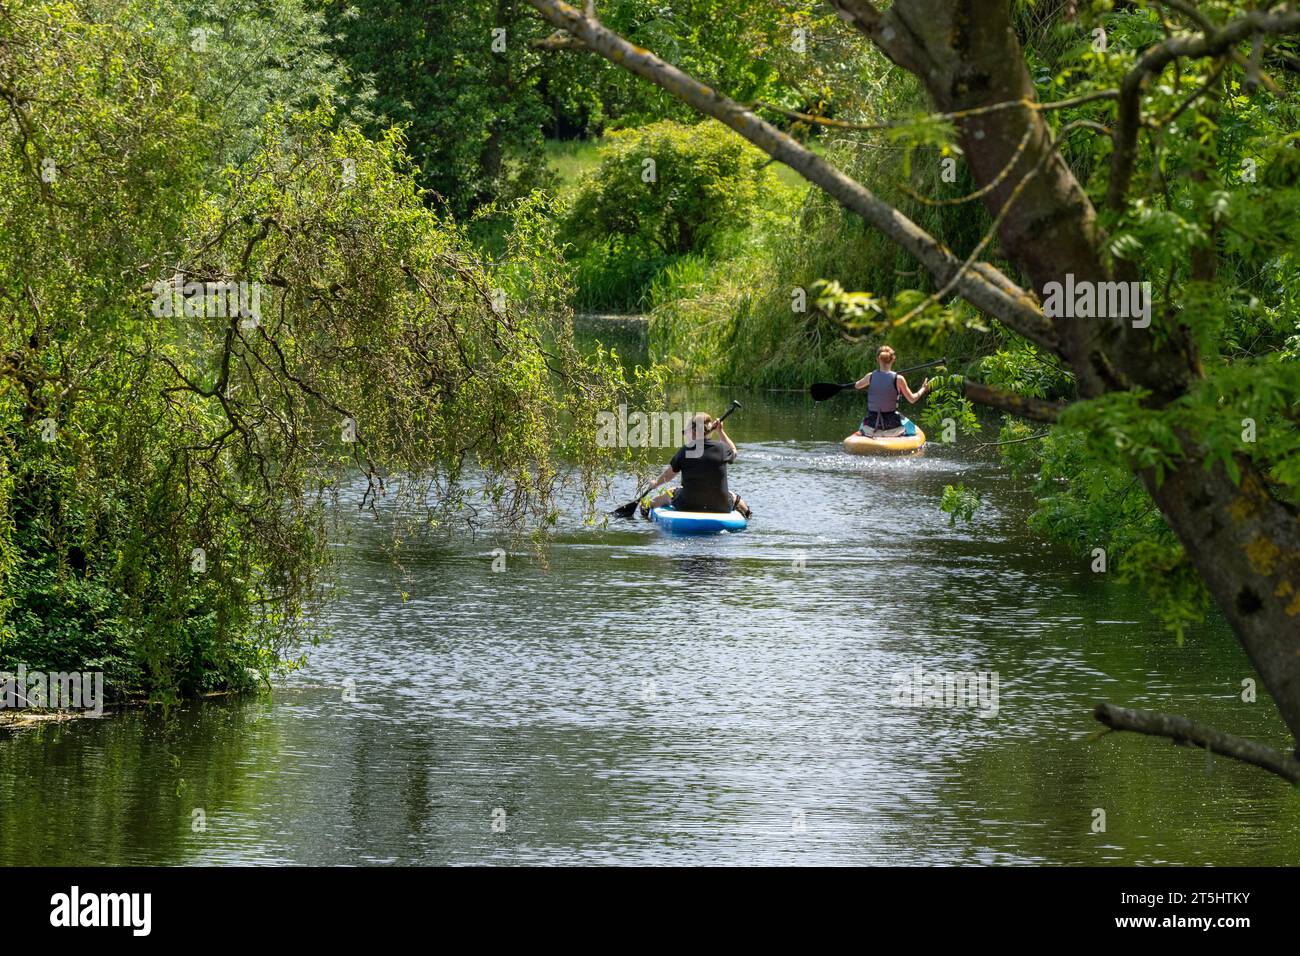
column 1244, row 542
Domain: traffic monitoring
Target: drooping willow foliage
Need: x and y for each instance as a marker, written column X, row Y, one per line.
column 167, row 458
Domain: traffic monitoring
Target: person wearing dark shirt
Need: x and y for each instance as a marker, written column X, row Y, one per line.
column 702, row 463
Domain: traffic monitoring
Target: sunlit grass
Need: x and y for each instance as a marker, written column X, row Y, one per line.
column 570, row 158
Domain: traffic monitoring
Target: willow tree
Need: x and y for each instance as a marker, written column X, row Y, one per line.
column 1153, row 391
column 195, row 358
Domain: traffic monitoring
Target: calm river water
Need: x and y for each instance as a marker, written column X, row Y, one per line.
column 637, row 699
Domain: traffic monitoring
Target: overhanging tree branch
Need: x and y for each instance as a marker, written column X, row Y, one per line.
column 886, row 30
column 984, row 286
column 1181, row 730
column 1153, row 62
column 1022, row 406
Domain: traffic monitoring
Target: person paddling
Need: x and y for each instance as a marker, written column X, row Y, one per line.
column 883, row 388
column 702, row 463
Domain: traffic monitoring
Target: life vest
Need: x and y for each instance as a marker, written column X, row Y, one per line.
column 882, row 392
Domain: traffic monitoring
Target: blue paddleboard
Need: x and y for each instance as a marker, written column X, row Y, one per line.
column 697, row 522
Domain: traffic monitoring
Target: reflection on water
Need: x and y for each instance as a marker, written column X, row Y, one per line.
column 642, row 699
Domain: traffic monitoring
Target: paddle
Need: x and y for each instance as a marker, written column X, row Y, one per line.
column 627, row 510
column 821, row 391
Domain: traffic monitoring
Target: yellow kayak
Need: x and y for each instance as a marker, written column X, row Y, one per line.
column 857, row 444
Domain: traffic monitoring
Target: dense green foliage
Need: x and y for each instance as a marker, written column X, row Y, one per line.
column 166, row 463
column 477, row 95
column 467, row 97
column 668, row 187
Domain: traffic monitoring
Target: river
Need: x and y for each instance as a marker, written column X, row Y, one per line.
column 624, row 697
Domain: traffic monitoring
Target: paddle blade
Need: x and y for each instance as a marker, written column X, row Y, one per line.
column 627, row 510
column 821, row 391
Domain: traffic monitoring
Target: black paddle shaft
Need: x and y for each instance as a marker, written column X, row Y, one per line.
column 731, row 408
column 625, row 511
column 821, row 391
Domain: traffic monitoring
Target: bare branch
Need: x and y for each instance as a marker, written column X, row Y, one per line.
column 1253, row 75
column 1184, row 731
column 1022, row 406
column 876, row 26
column 1013, row 441
column 559, row 40
column 1025, row 103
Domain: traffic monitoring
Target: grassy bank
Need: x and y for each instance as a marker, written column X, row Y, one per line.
column 748, row 307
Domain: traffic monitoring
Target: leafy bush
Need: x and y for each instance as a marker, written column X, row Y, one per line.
column 668, row 188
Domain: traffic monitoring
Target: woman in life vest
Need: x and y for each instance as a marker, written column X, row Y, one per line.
column 883, row 387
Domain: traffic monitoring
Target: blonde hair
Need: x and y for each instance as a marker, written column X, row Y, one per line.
column 885, row 352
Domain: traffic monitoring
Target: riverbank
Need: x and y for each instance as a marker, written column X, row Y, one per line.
column 37, row 716
column 11, row 720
